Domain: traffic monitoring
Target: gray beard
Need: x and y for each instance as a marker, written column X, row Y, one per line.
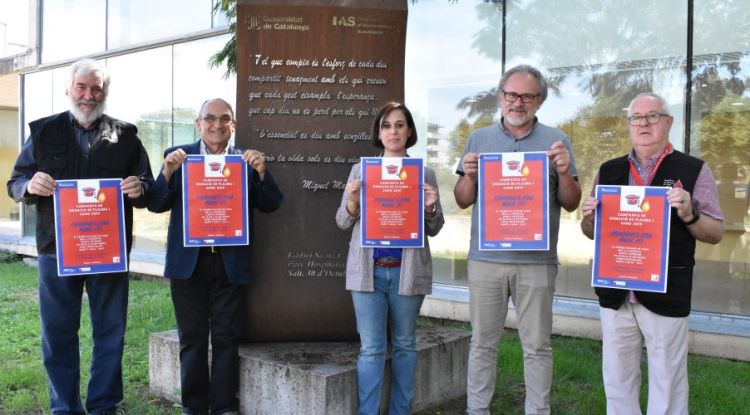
column 515, row 121
column 87, row 118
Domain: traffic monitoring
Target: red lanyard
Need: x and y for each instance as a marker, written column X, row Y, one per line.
column 634, row 171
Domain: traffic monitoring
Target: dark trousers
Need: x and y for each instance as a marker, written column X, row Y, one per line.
column 60, row 303
column 208, row 303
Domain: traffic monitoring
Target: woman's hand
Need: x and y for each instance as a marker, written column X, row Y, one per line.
column 352, row 189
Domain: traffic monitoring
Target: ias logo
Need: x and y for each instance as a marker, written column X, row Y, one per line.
column 348, row 21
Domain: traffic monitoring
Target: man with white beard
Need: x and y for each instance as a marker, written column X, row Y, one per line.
column 81, row 143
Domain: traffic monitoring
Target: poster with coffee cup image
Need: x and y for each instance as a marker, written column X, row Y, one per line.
column 513, row 202
column 392, row 202
column 89, row 227
column 215, row 200
column 631, row 238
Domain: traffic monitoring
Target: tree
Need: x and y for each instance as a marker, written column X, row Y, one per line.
column 228, row 54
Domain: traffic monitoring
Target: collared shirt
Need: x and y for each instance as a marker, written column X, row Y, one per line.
column 497, row 139
column 647, row 170
column 229, row 149
column 85, row 136
column 27, row 163
column 533, row 123
column 704, row 195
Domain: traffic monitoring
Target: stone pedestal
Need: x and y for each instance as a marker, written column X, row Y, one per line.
column 311, row 76
column 319, row 378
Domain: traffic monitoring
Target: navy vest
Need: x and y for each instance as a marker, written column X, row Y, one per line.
column 58, row 154
column 676, row 301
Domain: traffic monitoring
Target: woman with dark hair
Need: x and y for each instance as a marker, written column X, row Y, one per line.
column 388, row 284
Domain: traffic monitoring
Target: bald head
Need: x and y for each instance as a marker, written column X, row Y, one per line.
column 201, row 112
column 216, row 124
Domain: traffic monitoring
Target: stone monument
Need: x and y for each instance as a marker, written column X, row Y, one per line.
column 311, row 75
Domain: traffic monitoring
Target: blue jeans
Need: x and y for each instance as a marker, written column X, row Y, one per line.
column 60, row 311
column 372, row 311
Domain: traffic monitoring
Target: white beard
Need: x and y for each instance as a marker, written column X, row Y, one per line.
column 83, row 118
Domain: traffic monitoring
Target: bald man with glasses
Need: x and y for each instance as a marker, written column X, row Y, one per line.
column 632, row 318
column 208, row 283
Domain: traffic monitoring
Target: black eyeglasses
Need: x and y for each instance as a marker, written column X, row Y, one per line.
column 651, row 119
column 224, row 119
column 525, row 98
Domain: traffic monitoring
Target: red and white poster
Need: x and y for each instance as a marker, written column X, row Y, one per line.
column 392, row 202
column 513, row 201
column 215, row 201
column 90, row 227
column 631, row 238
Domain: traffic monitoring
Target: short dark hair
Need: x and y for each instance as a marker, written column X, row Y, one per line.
column 527, row 69
column 386, row 109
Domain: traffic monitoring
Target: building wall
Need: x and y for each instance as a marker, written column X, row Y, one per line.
column 9, row 210
column 597, row 56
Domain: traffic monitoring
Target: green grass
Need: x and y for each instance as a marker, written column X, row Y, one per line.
column 716, row 386
column 23, row 382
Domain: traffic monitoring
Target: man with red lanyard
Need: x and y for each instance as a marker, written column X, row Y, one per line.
column 630, row 318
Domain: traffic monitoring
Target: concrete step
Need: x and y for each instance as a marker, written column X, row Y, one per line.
column 320, row 378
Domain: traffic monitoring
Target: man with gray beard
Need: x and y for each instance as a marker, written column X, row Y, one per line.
column 81, row 143
column 526, row 277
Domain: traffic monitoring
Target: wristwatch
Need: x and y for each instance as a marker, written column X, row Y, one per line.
column 696, row 216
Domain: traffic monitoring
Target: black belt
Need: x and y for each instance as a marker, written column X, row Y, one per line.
column 388, row 263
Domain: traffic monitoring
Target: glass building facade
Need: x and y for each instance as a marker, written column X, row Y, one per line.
column 597, row 56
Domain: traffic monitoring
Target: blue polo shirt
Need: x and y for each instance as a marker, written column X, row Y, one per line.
column 496, row 139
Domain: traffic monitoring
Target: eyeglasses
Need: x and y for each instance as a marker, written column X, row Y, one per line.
column 651, row 119
column 224, row 119
column 525, row 98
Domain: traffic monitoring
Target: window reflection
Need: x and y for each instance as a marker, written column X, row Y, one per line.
column 9, row 210
column 158, row 90
column 194, row 82
column 72, row 28
column 44, row 95
column 595, row 68
column 441, row 91
column 37, row 103
column 720, row 122
column 140, row 93
column 16, row 37
column 37, row 97
column 137, row 21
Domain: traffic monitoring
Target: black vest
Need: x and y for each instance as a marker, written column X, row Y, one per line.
column 676, row 301
column 57, row 153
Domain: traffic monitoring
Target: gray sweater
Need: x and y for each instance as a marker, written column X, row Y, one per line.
column 416, row 263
